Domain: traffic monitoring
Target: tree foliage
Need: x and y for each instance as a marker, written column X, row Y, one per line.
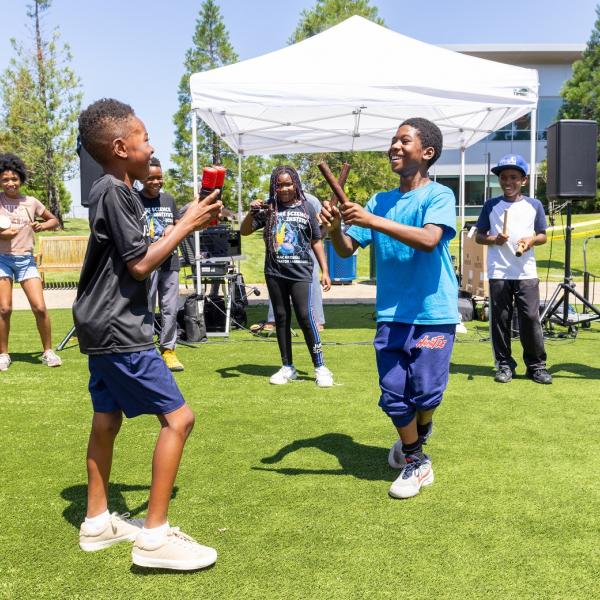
column 581, row 94
column 41, row 100
column 211, row 49
column 370, row 170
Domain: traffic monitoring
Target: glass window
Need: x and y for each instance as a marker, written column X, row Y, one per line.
column 548, row 107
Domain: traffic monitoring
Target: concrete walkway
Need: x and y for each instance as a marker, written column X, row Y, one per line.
column 355, row 293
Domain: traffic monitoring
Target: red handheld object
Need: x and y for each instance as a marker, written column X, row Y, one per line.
column 209, row 181
column 221, row 172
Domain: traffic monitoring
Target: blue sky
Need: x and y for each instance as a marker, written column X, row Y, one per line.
column 133, row 50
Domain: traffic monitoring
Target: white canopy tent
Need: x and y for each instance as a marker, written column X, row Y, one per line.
column 348, row 88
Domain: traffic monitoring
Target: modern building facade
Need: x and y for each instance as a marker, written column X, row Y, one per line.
column 554, row 64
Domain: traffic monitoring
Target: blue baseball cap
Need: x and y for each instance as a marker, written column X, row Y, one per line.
column 511, row 161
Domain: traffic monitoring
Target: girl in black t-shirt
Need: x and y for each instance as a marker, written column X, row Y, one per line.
column 291, row 229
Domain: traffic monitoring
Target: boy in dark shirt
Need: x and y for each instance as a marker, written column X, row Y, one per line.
column 161, row 215
column 114, row 326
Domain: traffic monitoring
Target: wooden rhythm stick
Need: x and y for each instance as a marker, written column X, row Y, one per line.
column 521, row 247
column 505, row 224
column 333, row 183
column 341, row 180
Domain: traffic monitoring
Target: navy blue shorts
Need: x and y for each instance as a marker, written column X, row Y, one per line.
column 137, row 383
column 413, row 363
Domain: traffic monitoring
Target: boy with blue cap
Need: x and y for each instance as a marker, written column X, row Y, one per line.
column 511, row 225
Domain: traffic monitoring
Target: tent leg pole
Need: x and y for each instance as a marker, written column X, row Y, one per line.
column 532, row 159
column 239, row 182
column 197, row 259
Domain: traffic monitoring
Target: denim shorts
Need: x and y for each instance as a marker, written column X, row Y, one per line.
column 137, row 383
column 18, row 267
column 413, row 363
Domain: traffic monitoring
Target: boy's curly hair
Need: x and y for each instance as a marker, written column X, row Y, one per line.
column 11, row 162
column 101, row 123
column 430, row 134
column 154, row 162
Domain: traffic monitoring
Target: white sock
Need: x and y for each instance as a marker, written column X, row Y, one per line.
column 98, row 523
column 154, row 535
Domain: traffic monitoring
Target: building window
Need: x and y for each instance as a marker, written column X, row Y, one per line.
column 520, row 129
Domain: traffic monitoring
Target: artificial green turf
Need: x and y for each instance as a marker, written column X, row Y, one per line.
column 290, row 483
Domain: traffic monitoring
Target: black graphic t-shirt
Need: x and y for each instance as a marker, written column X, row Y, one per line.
column 288, row 244
column 112, row 309
column 160, row 213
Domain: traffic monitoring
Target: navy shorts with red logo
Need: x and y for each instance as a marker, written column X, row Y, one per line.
column 413, row 363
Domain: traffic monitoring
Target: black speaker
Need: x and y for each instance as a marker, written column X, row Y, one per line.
column 89, row 171
column 572, row 157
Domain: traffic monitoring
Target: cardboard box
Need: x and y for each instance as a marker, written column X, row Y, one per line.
column 474, row 267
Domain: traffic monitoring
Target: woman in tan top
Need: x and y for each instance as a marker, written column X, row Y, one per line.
column 18, row 223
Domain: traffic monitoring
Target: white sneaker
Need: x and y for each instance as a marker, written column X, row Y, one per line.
column 396, row 458
column 118, row 529
column 4, row 362
column 460, row 328
column 284, row 375
column 415, row 474
column 51, row 359
column 323, row 377
column 175, row 551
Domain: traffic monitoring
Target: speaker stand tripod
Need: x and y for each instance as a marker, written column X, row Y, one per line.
column 566, row 288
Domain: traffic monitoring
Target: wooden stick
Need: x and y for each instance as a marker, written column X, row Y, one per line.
column 341, row 180
column 505, row 224
column 333, row 184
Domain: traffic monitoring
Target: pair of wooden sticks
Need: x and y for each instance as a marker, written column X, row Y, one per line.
column 336, row 185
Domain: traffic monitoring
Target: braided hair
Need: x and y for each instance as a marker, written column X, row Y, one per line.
column 271, row 221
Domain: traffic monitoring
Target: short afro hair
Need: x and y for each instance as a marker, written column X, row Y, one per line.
column 154, row 162
column 430, row 134
column 102, row 122
column 11, row 162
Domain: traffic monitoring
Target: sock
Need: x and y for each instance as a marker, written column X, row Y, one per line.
column 413, row 449
column 98, row 523
column 154, row 535
column 424, row 430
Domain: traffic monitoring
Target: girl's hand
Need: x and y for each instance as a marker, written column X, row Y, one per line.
column 37, row 227
column 257, row 205
column 326, row 282
column 9, row 233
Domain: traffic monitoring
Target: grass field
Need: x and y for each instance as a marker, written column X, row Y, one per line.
column 550, row 257
column 290, row 483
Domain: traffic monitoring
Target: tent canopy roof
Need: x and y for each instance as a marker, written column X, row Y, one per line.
column 349, row 87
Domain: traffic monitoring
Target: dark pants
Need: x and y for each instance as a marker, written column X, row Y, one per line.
column 524, row 295
column 280, row 292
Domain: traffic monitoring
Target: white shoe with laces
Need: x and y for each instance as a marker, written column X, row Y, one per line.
column 51, row 359
column 175, row 551
column 119, row 528
column 284, row 375
column 323, row 377
column 4, row 362
column 417, row 473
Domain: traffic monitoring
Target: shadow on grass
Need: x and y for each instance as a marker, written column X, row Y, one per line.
column 146, row 571
column 77, row 496
column 253, row 370
column 34, row 358
column 358, row 460
column 578, row 371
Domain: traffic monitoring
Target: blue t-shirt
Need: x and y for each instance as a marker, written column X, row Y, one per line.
column 413, row 286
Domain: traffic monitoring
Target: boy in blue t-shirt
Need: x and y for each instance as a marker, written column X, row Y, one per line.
column 410, row 228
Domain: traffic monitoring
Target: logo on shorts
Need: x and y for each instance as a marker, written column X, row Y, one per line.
column 434, row 343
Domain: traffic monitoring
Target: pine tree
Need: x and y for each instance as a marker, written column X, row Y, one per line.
column 211, row 49
column 41, row 100
column 370, row 170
